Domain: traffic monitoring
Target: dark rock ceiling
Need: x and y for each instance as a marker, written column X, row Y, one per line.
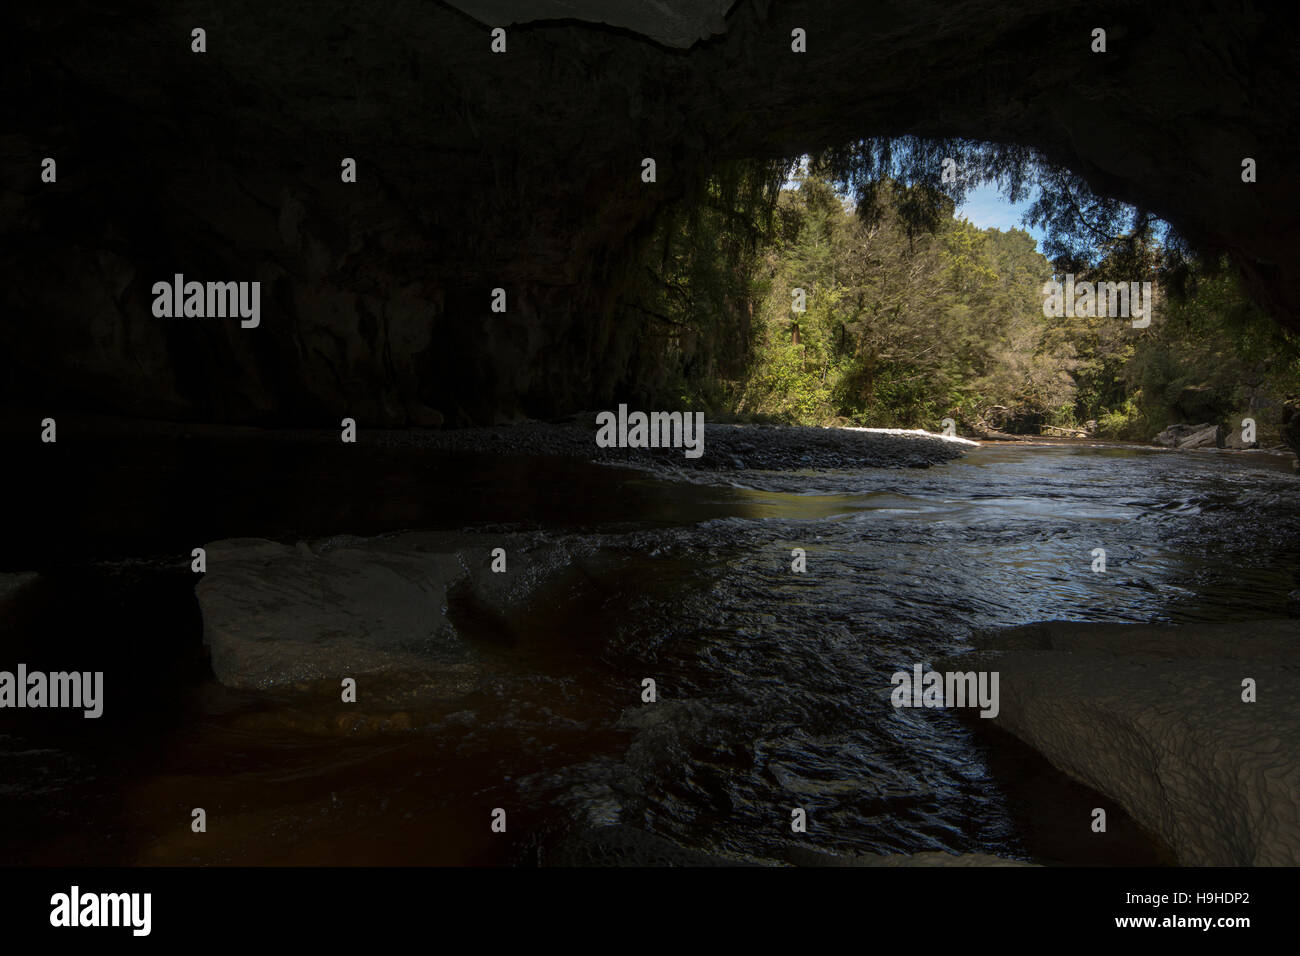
column 522, row 171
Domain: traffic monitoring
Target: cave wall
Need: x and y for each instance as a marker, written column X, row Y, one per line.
column 522, row 171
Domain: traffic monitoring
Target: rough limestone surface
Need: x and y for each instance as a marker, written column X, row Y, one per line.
column 1207, row 436
column 1188, row 436
column 1153, row 717
column 277, row 614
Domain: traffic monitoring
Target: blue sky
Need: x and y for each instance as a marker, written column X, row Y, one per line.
column 987, row 208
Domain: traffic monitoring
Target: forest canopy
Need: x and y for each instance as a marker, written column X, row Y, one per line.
column 844, row 289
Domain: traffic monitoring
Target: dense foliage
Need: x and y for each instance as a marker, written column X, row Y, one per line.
column 911, row 315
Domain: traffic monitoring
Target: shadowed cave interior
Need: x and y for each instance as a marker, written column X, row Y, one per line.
column 521, row 171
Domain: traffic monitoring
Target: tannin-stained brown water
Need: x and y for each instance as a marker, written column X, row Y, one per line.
column 773, row 686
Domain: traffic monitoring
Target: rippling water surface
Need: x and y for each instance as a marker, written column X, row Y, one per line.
column 773, row 686
column 787, row 675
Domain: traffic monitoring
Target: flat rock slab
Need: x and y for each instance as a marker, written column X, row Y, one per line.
column 1153, row 717
column 278, row 614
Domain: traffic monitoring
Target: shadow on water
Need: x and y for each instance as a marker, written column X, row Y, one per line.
column 773, row 685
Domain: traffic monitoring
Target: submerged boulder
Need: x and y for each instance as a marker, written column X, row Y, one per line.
column 1154, row 717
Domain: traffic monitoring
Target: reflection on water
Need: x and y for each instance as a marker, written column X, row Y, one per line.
column 773, row 686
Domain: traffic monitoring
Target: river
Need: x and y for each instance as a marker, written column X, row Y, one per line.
column 773, row 686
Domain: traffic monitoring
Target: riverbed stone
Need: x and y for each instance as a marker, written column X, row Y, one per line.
column 275, row 613
column 1170, row 436
column 725, row 446
column 1153, row 717
column 1204, row 436
column 278, row 614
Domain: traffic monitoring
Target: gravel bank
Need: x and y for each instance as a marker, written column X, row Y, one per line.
column 726, row 447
